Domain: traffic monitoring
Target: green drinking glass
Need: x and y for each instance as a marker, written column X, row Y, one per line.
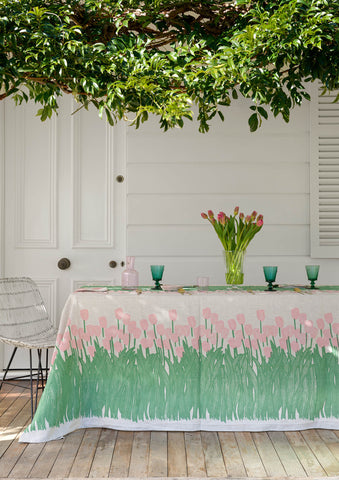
column 312, row 274
column 270, row 275
column 157, row 273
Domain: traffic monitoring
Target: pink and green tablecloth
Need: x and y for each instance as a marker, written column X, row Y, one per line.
column 222, row 359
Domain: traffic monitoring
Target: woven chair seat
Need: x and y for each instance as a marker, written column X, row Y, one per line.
column 43, row 340
column 24, row 321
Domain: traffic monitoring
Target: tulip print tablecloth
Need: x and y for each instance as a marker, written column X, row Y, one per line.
column 216, row 360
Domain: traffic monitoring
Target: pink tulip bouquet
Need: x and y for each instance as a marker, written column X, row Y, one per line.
column 235, row 233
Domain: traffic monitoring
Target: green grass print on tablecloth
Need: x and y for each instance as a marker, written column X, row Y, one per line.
column 226, row 384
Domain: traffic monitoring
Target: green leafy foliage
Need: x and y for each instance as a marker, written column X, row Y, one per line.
column 131, row 59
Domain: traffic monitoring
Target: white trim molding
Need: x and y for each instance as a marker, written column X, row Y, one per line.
column 50, row 240
column 78, row 152
column 49, row 290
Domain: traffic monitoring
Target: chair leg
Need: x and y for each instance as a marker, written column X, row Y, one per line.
column 7, row 368
column 46, row 371
column 31, row 380
column 40, row 374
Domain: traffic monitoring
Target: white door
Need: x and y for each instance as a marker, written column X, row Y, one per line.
column 64, row 199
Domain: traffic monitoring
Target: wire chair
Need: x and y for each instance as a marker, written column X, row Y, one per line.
column 25, row 323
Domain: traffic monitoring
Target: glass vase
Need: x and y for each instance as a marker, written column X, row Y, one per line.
column 234, row 266
column 130, row 277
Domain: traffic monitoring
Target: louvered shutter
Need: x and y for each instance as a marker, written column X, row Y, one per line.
column 324, row 179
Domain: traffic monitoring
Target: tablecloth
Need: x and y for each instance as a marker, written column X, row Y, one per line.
column 195, row 360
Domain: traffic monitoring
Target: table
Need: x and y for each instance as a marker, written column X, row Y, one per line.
column 222, row 359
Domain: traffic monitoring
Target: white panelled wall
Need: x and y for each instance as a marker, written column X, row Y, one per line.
column 172, row 177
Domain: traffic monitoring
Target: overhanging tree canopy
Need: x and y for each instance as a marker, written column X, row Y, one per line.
column 163, row 56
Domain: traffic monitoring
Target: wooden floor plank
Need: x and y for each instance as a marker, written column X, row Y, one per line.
column 176, row 450
column 195, row 455
column 83, row 460
column 305, row 455
column 27, row 460
column 250, row 455
column 331, row 440
column 11, row 457
column 140, row 454
column 11, row 412
column 10, row 449
column 324, row 456
column 7, row 401
column 46, row 459
column 214, row 460
column 287, row 455
column 69, row 449
column 231, row 453
column 158, row 455
column 268, row 455
column 104, row 453
column 17, row 420
column 6, row 387
column 8, row 395
column 9, row 434
column 122, row 455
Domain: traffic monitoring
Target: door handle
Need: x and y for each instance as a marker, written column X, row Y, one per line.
column 114, row 264
column 64, row 263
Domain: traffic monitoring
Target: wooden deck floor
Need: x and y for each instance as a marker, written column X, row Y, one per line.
column 100, row 453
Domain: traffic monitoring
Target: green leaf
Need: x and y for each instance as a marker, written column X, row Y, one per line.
column 221, row 115
column 234, row 94
column 253, row 122
column 263, row 112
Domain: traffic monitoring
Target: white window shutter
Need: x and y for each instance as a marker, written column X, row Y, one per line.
column 324, row 174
